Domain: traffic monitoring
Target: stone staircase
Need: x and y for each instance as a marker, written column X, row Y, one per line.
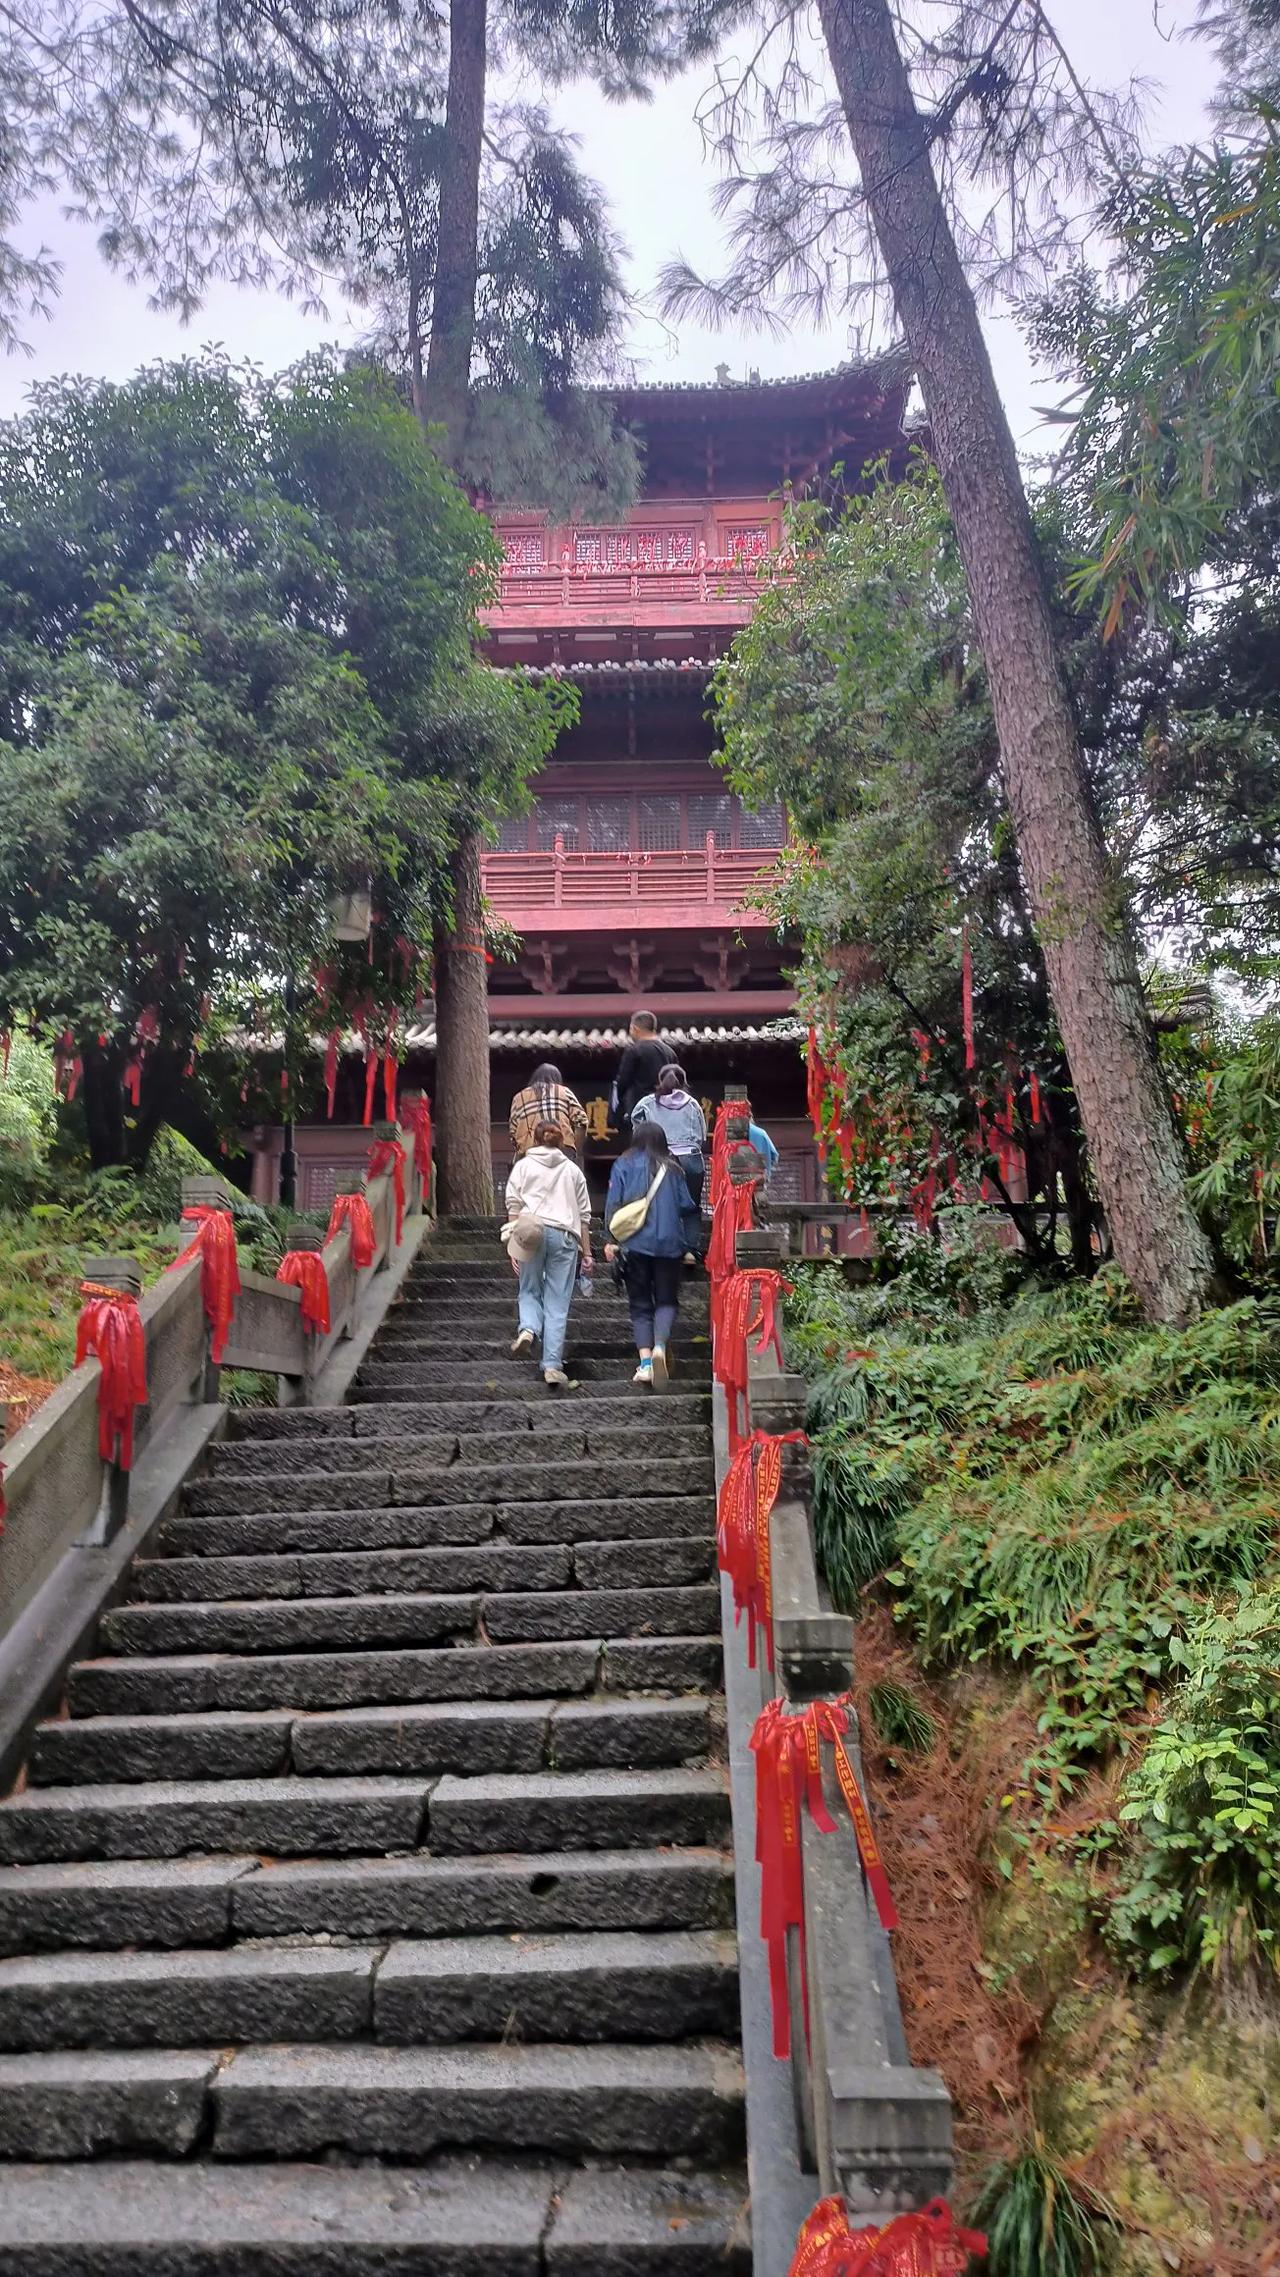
column 370, row 1906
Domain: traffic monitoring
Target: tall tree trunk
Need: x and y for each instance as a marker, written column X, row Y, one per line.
column 464, row 1162
column 464, row 1185
column 453, row 299
column 1088, row 950
column 103, row 1099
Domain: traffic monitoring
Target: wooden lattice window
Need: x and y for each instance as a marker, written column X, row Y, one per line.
column 524, row 549
column 557, row 818
column 711, row 811
column 659, row 824
column 762, row 827
column 748, row 543
column 658, row 548
column 513, row 835
column 609, row 826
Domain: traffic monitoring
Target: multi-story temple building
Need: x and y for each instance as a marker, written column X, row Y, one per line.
column 634, row 879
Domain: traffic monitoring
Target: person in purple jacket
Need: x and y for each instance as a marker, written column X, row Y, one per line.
column 650, row 1258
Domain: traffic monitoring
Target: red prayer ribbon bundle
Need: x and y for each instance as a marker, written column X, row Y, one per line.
column 110, row 1327
column 926, row 2244
column 747, row 1496
column 219, row 1269
column 304, row 1269
column 788, row 1753
column 748, row 1301
column 415, row 1116
column 353, row 1210
column 388, row 1154
column 733, row 1213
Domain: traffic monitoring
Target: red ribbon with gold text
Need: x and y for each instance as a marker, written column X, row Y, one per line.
column 353, row 1210
column 304, row 1269
column 925, row 2244
column 748, row 1301
column 219, row 1269
column 788, row 1753
column 388, row 1154
column 747, row 1496
column 110, row 1327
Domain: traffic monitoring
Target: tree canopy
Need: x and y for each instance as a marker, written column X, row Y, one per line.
column 237, row 682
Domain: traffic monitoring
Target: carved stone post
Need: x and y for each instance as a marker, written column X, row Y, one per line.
column 201, row 1191
column 294, row 1390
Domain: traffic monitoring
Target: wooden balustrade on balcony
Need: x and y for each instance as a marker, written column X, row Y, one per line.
column 672, row 888
column 573, row 593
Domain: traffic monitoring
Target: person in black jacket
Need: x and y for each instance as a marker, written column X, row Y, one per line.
column 641, row 1064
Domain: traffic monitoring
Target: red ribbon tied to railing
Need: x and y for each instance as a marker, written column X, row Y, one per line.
column 747, row 1496
column 748, row 1301
column 415, row 1116
column 788, row 1753
column 924, row 2244
column 353, row 1210
column 219, row 1269
column 388, row 1154
column 304, row 1269
column 110, row 1328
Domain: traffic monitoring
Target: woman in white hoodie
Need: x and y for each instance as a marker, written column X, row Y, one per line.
column 549, row 1209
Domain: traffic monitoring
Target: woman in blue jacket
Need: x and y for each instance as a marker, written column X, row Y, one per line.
column 652, row 1257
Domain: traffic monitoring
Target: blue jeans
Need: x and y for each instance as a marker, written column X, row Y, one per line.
column 546, row 1292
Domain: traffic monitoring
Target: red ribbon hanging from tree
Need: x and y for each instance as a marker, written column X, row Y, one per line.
column 924, row 2244
column 388, row 1154
column 1035, row 1097
column 110, row 1327
column 747, row 1496
column 370, row 1082
column 304, row 1269
column 331, row 1068
column 733, row 1213
column 353, row 1210
column 219, row 1269
column 966, row 995
column 788, row 1753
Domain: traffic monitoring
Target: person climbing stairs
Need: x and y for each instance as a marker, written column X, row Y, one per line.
column 368, row 1906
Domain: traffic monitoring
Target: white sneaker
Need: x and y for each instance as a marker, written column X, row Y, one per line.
column 644, row 1373
column 555, row 1376
column 523, row 1343
column 661, row 1372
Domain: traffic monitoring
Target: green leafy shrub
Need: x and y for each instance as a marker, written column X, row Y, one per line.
column 1204, row 1801
column 1039, row 2222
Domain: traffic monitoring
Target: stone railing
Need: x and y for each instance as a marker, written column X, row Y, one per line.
column 868, row 2124
column 62, row 1494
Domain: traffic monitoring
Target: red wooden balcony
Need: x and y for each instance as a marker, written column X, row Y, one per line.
column 564, row 892
column 545, row 596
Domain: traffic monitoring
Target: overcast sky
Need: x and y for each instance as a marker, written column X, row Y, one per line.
column 651, row 162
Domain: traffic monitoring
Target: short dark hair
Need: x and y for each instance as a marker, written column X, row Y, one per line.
column 547, row 1073
column 670, row 1078
column 548, row 1134
column 645, row 1020
column 651, row 1139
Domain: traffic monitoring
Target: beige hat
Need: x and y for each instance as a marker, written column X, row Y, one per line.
column 523, row 1237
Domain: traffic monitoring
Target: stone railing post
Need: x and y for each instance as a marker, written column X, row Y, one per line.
column 125, row 1274
column 201, row 1191
column 294, row 1390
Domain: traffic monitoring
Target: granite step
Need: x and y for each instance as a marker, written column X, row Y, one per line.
column 190, row 1683
column 466, row 1736
column 169, row 1902
column 667, row 1517
column 630, row 2101
column 165, row 1818
column 455, row 2217
column 286, row 1625
column 584, row 1810
column 643, row 1440
column 594, row 1379
column 576, row 1479
column 643, row 1985
column 493, row 1567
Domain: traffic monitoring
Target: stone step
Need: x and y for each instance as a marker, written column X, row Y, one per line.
column 191, row 1683
column 634, row 1985
column 391, row 1379
column 631, row 2101
column 669, row 1517
column 495, row 1564
column 286, row 1625
column 645, row 1440
column 208, row 1900
column 77, row 2103
column 492, row 1564
column 590, row 1352
column 164, row 1818
column 576, row 1480
column 453, row 2215
column 466, row 1736
column 261, row 1438
column 578, row 1810
column 644, row 1985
